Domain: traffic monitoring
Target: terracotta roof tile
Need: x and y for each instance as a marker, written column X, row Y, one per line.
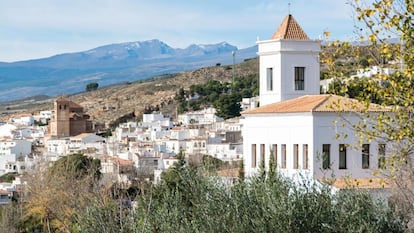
column 317, row 103
column 71, row 103
column 124, row 162
column 4, row 192
column 361, row 183
column 229, row 172
column 289, row 29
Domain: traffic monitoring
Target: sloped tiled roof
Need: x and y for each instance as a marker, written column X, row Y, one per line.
column 290, row 30
column 71, row 103
column 124, row 162
column 361, row 183
column 317, row 103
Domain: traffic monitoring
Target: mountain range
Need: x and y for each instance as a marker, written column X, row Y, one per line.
column 110, row 64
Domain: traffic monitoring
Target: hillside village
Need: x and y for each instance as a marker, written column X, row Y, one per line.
column 290, row 127
column 147, row 148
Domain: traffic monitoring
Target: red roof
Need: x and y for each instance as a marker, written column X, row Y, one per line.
column 124, row 162
column 289, row 29
column 318, row 103
column 72, row 104
column 5, row 192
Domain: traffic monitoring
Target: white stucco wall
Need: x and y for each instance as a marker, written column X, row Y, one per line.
column 58, row 146
column 314, row 129
column 289, row 129
column 325, row 131
column 283, row 56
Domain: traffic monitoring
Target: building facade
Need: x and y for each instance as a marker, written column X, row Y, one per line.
column 289, row 64
column 302, row 132
column 69, row 119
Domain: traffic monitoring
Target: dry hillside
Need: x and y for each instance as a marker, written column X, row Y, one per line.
column 107, row 105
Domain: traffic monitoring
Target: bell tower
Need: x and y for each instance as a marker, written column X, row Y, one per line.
column 62, row 114
column 289, row 64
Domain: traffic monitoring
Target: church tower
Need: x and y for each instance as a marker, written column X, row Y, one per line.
column 69, row 119
column 61, row 120
column 289, row 64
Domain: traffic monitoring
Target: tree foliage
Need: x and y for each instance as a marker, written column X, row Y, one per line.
column 364, row 89
column 224, row 96
column 380, row 24
column 186, row 200
column 57, row 195
column 76, row 166
column 228, row 105
column 92, row 86
column 267, row 203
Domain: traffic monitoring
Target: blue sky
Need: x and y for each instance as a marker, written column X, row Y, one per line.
column 32, row 29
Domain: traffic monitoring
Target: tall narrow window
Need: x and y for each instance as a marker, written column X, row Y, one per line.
column 326, row 156
column 365, row 156
column 299, row 78
column 262, row 155
column 253, row 155
column 295, row 156
column 274, row 154
column 269, row 79
column 342, row 156
column 381, row 156
column 283, row 156
column 305, row 157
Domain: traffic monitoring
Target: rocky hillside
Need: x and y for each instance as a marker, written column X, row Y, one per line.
column 107, row 105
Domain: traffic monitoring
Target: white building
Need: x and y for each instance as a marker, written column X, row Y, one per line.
column 289, row 64
column 196, row 145
column 7, row 131
column 371, row 72
column 57, row 146
column 23, row 120
column 85, row 142
column 203, row 117
column 302, row 138
column 154, row 119
column 44, row 116
column 225, row 151
column 13, row 154
column 294, row 124
column 249, row 103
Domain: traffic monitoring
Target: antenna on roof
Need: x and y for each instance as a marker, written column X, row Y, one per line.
column 289, row 8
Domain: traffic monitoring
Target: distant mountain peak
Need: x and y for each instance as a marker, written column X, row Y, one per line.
column 109, row 64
